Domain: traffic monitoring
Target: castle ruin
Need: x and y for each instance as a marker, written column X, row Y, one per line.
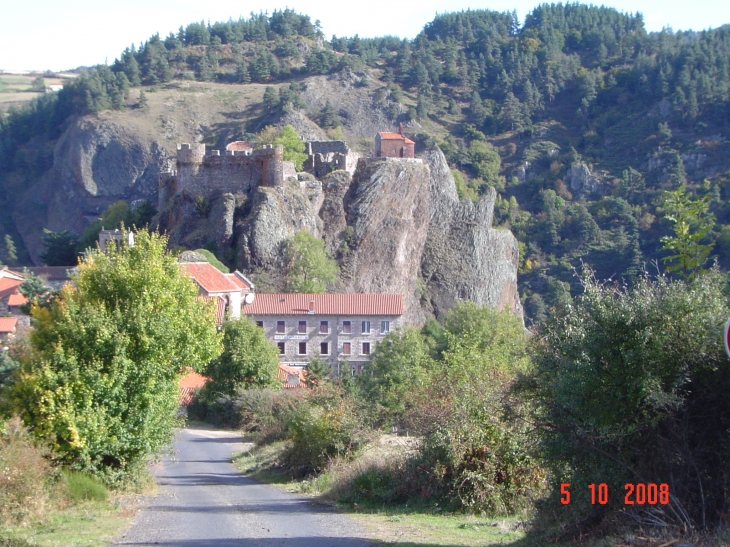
column 198, row 173
column 326, row 156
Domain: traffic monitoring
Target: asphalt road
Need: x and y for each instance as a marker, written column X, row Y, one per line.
column 203, row 501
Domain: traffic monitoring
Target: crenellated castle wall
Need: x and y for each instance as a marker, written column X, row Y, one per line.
column 201, row 173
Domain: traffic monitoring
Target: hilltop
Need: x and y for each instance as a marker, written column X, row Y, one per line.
column 579, row 120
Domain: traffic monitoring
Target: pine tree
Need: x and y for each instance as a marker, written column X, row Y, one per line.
column 11, row 252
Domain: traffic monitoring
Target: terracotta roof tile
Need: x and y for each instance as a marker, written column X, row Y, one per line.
column 286, row 374
column 192, row 379
column 240, row 281
column 391, row 136
column 7, row 324
column 209, row 277
column 17, row 299
column 325, row 304
column 9, row 286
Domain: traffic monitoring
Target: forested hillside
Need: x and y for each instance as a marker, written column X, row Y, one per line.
column 579, row 118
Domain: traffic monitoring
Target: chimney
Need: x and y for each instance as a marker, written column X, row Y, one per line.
column 311, row 307
column 400, row 129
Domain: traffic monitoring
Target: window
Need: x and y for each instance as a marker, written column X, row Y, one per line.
column 366, row 348
column 324, row 327
column 346, row 327
column 366, row 327
column 282, row 348
column 260, row 324
column 280, row 327
column 302, row 327
column 302, row 348
column 384, row 327
column 324, row 348
column 346, row 348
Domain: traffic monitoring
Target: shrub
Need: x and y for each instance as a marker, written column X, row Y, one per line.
column 26, row 476
column 81, row 487
column 323, row 425
column 631, row 387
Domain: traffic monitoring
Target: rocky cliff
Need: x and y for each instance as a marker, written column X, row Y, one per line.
column 464, row 258
column 96, row 162
column 396, row 225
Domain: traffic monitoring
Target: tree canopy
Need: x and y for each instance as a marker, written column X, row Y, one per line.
column 309, row 270
column 101, row 380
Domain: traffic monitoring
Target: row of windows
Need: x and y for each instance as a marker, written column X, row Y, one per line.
column 324, row 327
column 324, row 348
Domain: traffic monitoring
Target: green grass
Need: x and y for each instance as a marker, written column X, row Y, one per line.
column 90, row 524
column 81, row 486
column 399, row 527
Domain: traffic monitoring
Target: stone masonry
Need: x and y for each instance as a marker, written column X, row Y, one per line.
column 201, row 173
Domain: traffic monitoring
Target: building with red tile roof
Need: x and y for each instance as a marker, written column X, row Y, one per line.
column 292, row 377
column 8, row 286
column 389, row 144
column 16, row 299
column 7, row 327
column 230, row 288
column 336, row 327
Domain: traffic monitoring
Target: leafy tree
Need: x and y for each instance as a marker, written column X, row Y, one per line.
column 248, row 360
column 38, row 84
column 60, row 249
column 308, row 268
column 143, row 103
column 293, row 146
column 400, row 365
column 692, row 224
column 101, row 381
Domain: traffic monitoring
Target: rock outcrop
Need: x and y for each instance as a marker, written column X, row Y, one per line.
column 387, row 206
column 396, row 225
column 275, row 215
column 464, row 258
column 580, row 178
column 95, row 163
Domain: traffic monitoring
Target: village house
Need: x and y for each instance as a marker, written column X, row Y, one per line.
column 336, row 327
column 228, row 290
column 8, row 328
column 394, row 145
column 9, row 289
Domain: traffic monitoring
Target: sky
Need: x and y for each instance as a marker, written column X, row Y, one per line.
column 60, row 35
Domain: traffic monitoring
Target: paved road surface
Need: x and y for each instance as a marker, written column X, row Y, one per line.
column 204, row 501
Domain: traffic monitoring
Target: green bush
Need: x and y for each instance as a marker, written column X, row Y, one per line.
column 322, row 426
column 631, row 387
column 81, row 487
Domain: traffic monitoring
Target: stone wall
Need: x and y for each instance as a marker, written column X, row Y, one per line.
column 327, row 156
column 234, row 171
column 393, row 148
column 335, row 337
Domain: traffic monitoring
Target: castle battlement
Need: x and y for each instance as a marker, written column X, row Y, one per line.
column 204, row 173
